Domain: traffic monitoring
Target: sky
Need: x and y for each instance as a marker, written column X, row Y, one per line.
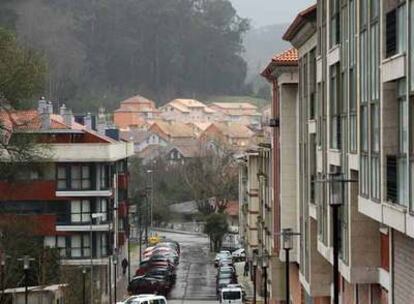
column 266, row 12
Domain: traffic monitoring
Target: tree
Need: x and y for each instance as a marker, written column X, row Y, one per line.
column 22, row 74
column 18, row 238
column 216, row 227
column 212, row 175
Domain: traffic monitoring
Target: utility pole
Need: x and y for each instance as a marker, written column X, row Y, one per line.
column 26, row 266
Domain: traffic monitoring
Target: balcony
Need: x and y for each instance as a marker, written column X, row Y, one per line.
column 83, row 193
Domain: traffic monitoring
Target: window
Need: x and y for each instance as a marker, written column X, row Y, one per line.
column 62, row 177
column 411, row 32
column 105, row 176
column 335, row 108
column 364, row 180
column 353, row 111
column 80, row 246
column 396, row 31
column 80, row 211
column 402, row 117
column 73, row 177
column 102, row 207
column 312, row 84
column 375, row 130
column 335, row 23
column 364, row 128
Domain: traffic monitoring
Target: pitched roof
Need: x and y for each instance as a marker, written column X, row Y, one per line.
column 287, row 58
column 299, row 21
column 189, row 149
column 173, row 128
column 235, row 105
column 185, row 105
column 137, row 103
column 233, row 130
column 29, row 120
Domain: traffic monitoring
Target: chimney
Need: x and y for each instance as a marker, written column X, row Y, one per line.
column 101, row 122
column 87, row 121
column 44, row 114
column 66, row 115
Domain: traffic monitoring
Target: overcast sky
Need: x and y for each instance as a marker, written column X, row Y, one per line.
column 265, row 12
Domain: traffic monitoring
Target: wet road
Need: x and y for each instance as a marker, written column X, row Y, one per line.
column 196, row 274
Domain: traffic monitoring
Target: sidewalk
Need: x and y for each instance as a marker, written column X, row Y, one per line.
column 246, row 283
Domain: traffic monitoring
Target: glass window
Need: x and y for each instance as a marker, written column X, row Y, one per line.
column 335, row 108
column 75, row 175
column 80, row 211
column 411, row 32
column 364, row 128
column 86, row 177
column 402, row 181
column 75, row 246
column 375, row 130
column 62, row 177
column 396, row 29
column 364, row 67
column 403, row 117
column 402, row 29
column 335, row 23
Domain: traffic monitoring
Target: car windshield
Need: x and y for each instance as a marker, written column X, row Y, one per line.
column 231, row 295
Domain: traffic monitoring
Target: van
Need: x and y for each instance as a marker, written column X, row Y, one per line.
column 145, row 299
column 231, row 295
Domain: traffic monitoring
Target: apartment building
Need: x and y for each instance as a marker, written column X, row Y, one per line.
column 134, row 112
column 77, row 194
column 187, row 110
column 282, row 73
column 354, row 118
column 241, row 112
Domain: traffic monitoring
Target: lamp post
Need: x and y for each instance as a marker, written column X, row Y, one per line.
column 115, row 261
column 26, row 266
column 3, row 267
column 254, row 275
column 287, row 246
column 93, row 216
column 84, row 285
column 265, row 263
column 336, row 201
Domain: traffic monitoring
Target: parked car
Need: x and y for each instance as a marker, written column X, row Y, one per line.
column 227, row 269
column 239, row 255
column 222, row 283
column 145, row 298
column 148, row 285
column 226, row 262
column 220, row 256
column 233, row 295
column 227, row 275
column 162, row 274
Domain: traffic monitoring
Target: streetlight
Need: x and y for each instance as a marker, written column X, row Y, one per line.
column 93, row 216
column 287, row 242
column 26, row 265
column 3, row 274
column 115, row 261
column 254, row 275
column 265, row 263
column 336, row 199
column 83, row 284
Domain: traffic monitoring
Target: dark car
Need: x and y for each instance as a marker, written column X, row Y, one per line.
column 162, row 257
column 162, row 274
column 148, row 285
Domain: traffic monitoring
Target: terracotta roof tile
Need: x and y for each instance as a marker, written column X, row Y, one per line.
column 289, row 57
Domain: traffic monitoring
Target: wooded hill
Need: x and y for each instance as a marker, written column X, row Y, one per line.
column 99, row 52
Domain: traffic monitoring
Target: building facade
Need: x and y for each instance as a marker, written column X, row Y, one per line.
column 77, row 195
column 353, row 117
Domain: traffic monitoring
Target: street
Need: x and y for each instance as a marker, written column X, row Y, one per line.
column 195, row 273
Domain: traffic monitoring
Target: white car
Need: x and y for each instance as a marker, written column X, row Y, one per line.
column 145, row 299
column 239, row 254
column 233, row 295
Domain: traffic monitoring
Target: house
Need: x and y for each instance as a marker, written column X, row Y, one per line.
column 230, row 134
column 187, row 110
column 77, row 195
column 135, row 111
column 172, row 131
column 142, row 138
column 178, row 153
column 232, row 211
column 240, row 112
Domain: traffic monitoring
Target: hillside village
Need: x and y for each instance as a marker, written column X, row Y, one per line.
column 183, row 128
